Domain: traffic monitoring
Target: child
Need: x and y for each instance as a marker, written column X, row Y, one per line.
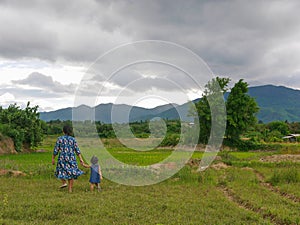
column 96, row 174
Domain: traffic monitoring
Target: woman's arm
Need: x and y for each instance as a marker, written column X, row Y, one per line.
column 80, row 158
column 56, row 150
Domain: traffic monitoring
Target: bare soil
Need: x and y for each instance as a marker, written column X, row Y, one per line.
column 14, row 173
column 7, row 146
column 281, row 158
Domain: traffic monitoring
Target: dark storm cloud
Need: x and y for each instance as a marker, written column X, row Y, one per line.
column 53, row 30
column 245, row 39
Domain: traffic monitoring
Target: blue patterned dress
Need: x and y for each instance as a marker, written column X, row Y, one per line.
column 66, row 148
column 95, row 176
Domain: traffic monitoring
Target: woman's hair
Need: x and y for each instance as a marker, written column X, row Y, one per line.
column 67, row 130
column 94, row 160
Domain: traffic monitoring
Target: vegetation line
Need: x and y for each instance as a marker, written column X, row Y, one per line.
column 269, row 186
column 231, row 196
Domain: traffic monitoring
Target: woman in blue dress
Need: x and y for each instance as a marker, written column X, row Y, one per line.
column 67, row 168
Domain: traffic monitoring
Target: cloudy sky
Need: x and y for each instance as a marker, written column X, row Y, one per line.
column 48, row 47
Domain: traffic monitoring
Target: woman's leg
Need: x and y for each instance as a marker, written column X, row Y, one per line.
column 64, row 183
column 71, row 182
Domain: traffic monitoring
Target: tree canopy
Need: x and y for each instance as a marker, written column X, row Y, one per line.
column 240, row 108
column 22, row 125
column 208, row 100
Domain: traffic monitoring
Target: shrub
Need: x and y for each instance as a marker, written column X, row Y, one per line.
column 243, row 145
column 170, row 140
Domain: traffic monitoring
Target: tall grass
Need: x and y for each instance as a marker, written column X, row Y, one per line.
column 286, row 175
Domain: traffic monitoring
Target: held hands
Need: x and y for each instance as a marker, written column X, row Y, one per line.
column 81, row 160
column 83, row 164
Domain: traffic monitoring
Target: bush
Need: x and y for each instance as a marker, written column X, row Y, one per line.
column 170, row 140
column 243, row 145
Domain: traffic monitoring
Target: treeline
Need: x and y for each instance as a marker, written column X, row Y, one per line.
column 139, row 129
column 253, row 138
column 243, row 131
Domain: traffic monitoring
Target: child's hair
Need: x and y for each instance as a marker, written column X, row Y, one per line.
column 94, row 160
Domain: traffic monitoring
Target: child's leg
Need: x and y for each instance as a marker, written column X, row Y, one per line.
column 98, row 187
column 92, row 186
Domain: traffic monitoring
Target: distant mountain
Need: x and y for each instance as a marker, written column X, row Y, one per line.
column 275, row 102
column 106, row 113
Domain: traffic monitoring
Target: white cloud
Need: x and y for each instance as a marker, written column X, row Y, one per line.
column 40, row 90
column 6, row 98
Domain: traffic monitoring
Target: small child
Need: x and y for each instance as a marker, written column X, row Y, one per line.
column 96, row 174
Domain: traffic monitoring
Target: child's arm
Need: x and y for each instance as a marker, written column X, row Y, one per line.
column 85, row 165
column 100, row 173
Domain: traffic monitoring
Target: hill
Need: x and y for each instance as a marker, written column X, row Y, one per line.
column 275, row 102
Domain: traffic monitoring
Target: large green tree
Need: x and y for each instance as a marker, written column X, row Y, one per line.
column 241, row 109
column 22, row 125
column 210, row 98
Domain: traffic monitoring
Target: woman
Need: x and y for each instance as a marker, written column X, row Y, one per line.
column 66, row 168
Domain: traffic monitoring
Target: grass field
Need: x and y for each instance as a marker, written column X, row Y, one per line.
column 239, row 188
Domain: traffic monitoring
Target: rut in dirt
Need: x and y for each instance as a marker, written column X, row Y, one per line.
column 269, row 186
column 246, row 205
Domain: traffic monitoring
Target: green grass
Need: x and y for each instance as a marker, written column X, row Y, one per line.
column 188, row 197
column 139, row 158
column 40, row 202
column 246, row 185
column 48, row 143
column 285, row 176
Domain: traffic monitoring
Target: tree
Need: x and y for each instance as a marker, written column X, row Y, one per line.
column 23, row 126
column 241, row 109
column 210, row 98
column 280, row 126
